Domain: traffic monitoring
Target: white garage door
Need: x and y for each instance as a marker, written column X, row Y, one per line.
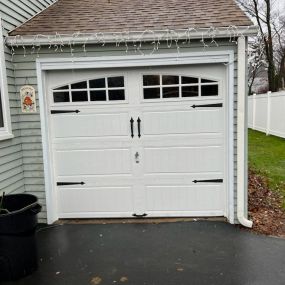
column 132, row 142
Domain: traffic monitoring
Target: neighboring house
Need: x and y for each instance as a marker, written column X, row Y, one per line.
column 140, row 111
column 14, row 173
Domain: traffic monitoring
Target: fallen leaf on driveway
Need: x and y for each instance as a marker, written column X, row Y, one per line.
column 124, row 279
column 96, row 280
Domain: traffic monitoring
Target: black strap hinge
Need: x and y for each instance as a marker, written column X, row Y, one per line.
column 140, row 216
column 64, row 111
column 208, row 181
column 69, row 183
column 208, row 105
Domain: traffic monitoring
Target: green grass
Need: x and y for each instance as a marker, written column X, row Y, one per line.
column 266, row 155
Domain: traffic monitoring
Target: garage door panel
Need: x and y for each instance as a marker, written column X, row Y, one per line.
column 89, row 162
column 184, row 198
column 90, row 125
column 95, row 200
column 183, row 159
column 147, row 164
column 183, row 122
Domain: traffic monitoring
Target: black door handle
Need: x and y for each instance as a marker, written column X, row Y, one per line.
column 132, row 127
column 139, row 127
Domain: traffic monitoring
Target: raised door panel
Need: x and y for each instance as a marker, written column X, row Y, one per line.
column 176, row 160
column 90, row 202
column 182, row 122
column 186, row 198
column 93, row 125
column 93, row 162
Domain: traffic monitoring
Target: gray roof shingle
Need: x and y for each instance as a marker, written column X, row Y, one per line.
column 70, row 16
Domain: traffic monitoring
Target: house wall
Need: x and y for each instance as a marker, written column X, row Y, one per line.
column 25, row 67
column 12, row 179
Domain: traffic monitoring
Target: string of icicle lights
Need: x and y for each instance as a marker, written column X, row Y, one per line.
column 131, row 41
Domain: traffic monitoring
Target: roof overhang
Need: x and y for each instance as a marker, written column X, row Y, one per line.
column 129, row 36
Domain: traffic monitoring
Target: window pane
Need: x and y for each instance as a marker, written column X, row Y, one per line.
column 66, row 87
column 99, row 95
column 149, row 80
column 207, row 81
column 79, row 96
column 59, row 97
column 189, row 80
column 170, row 79
column 170, row 92
column 97, row 83
column 190, row 91
column 116, row 81
column 79, row 85
column 1, row 114
column 151, row 93
column 116, row 94
column 209, row 90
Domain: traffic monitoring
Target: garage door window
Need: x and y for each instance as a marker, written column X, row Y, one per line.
column 95, row 90
column 174, row 86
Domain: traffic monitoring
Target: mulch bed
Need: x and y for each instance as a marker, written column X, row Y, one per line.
column 265, row 207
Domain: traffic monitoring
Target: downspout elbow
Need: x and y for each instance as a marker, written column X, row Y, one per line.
column 244, row 221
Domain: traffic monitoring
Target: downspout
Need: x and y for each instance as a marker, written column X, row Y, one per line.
column 241, row 136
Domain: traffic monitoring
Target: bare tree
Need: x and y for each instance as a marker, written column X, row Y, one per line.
column 264, row 14
column 256, row 61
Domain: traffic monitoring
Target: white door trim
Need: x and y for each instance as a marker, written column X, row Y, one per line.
column 170, row 59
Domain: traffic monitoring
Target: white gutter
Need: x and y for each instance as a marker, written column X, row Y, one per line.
column 241, row 136
column 128, row 36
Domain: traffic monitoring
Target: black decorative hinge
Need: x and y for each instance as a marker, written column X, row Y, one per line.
column 139, row 127
column 69, row 183
column 132, row 127
column 208, row 105
column 64, row 111
column 209, row 181
column 140, row 216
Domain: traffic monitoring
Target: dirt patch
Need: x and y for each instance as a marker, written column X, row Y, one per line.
column 265, row 207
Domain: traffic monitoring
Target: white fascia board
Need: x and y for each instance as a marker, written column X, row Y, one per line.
column 125, row 36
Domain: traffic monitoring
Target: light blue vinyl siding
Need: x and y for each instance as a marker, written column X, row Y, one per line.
column 12, row 153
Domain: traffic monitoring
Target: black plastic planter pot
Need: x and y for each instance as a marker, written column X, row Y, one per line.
column 18, row 251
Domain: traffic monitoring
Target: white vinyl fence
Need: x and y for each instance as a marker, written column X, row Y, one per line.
column 266, row 113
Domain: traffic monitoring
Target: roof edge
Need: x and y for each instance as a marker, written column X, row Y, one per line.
column 132, row 36
column 34, row 16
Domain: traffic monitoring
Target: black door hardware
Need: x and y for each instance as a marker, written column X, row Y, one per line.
column 209, row 181
column 69, row 183
column 132, row 127
column 208, row 105
column 64, row 111
column 140, row 216
column 139, row 127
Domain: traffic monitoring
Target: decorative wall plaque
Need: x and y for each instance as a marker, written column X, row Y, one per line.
column 28, row 99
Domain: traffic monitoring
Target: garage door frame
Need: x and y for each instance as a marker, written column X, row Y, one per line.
column 170, row 59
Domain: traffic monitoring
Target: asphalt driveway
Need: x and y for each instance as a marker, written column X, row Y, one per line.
column 181, row 253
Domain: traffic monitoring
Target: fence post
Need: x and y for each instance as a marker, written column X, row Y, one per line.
column 268, row 113
column 253, row 110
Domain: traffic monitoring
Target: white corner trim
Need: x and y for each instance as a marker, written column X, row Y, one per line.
column 46, row 64
column 6, row 131
column 50, row 195
column 241, row 139
column 230, row 143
